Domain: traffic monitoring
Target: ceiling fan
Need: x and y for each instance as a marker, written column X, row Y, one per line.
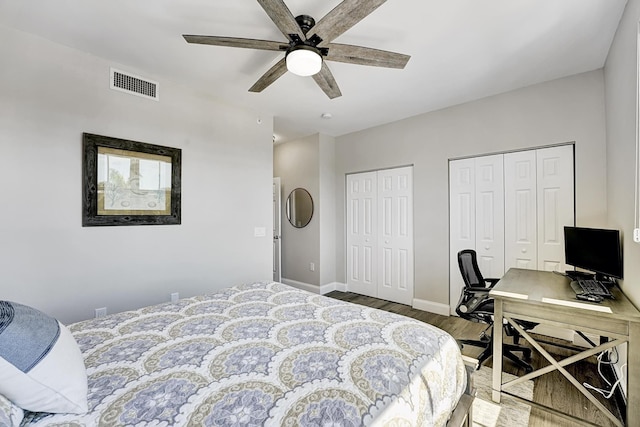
column 309, row 44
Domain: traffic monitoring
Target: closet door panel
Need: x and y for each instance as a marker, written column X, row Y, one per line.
column 520, row 210
column 489, row 213
column 462, row 221
column 395, row 239
column 555, row 184
column 362, row 233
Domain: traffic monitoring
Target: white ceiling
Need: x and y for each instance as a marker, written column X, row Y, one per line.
column 460, row 50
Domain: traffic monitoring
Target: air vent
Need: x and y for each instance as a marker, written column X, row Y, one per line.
column 134, row 85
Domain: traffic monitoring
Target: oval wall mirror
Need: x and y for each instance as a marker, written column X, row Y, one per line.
column 299, row 207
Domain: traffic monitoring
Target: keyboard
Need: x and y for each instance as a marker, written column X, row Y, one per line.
column 591, row 287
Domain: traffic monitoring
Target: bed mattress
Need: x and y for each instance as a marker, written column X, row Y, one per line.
column 264, row 354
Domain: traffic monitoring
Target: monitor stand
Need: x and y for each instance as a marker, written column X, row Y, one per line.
column 579, row 275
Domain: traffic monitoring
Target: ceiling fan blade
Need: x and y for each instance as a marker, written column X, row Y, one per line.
column 366, row 56
column 282, row 17
column 270, row 76
column 235, row 42
column 327, row 83
column 342, row 17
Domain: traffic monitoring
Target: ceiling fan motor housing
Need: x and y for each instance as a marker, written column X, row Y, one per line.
column 306, row 22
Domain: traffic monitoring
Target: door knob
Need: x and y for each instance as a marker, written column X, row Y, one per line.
column 524, row 250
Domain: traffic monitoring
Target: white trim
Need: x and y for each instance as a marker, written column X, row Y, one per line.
column 322, row 290
column 431, row 307
column 342, row 287
column 301, row 285
column 333, row 286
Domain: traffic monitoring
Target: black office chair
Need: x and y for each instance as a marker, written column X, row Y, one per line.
column 476, row 305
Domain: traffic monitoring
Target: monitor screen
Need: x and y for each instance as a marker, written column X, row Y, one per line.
column 594, row 249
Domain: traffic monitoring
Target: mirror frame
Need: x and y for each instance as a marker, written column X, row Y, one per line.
column 288, row 207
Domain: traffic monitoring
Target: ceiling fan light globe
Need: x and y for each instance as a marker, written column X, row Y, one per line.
column 304, row 61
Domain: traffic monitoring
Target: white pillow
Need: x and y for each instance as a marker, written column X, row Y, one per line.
column 10, row 414
column 41, row 367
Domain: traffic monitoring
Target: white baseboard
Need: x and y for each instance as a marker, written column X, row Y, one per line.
column 302, row 285
column 430, row 306
column 334, row 286
column 324, row 289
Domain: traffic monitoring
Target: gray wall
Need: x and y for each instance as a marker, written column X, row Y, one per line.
column 327, row 209
column 50, row 95
column 620, row 82
column 563, row 110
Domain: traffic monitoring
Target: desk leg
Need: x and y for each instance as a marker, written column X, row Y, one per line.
column 633, row 373
column 497, row 350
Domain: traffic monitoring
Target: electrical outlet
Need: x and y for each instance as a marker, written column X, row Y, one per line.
column 175, row 297
column 636, row 235
column 312, row 267
column 101, row 312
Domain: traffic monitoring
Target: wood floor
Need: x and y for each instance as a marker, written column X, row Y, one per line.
column 551, row 389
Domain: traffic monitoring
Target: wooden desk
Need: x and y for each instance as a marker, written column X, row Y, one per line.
column 547, row 298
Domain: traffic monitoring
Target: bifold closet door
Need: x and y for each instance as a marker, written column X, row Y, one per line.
column 556, row 204
column 489, row 243
column 395, row 235
column 362, row 233
column 539, row 202
column 521, row 224
column 380, row 234
column 476, row 209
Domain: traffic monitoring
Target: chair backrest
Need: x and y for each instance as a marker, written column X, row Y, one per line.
column 474, row 306
column 468, row 263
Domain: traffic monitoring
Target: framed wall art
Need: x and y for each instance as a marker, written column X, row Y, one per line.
column 129, row 182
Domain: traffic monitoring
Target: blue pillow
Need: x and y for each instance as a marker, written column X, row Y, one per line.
column 36, row 332
column 41, row 367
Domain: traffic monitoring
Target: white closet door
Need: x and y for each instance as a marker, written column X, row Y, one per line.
column 362, row 236
column 490, row 215
column 555, row 181
column 462, row 220
column 395, row 235
column 511, row 208
column 521, row 250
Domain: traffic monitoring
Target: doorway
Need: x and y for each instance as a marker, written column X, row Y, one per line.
column 277, row 249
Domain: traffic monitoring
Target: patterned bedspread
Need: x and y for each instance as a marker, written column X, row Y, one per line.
column 264, row 354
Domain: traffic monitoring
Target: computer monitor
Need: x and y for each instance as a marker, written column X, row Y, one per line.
column 594, row 249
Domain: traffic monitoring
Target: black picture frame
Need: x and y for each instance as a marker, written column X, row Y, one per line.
column 111, row 199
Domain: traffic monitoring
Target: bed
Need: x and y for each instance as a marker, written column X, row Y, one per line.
column 263, row 354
